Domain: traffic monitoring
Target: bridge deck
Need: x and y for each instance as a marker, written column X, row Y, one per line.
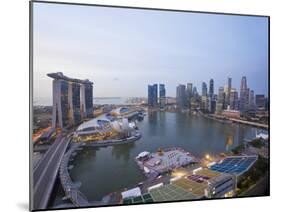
column 44, row 174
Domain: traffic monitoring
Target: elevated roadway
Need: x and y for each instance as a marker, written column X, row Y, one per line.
column 45, row 173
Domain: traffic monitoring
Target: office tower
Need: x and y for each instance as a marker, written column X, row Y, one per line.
column 260, row 101
column 252, row 100
column 204, row 103
column 189, row 94
column 211, row 104
column 211, row 88
column 162, row 96
column 195, row 93
column 72, row 100
column 227, row 101
column 204, row 89
column 220, row 101
column 233, row 99
column 152, row 95
column 244, row 94
column 181, row 96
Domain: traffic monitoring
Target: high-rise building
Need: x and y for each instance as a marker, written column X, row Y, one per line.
column 220, row 101
column 211, row 88
column 233, row 99
column 229, row 82
column 195, row 93
column 204, row 89
column 260, row 101
column 244, row 94
column 252, row 100
column 162, row 96
column 152, row 95
column 204, row 103
column 181, row 96
column 72, row 100
column 189, row 95
column 211, row 104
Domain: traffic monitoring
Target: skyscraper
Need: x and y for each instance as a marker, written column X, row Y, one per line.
column 72, row 100
column 189, row 88
column 181, row 96
column 227, row 101
column 211, row 88
column 152, row 95
column 204, row 89
column 252, row 100
column 195, row 93
column 244, row 94
column 233, row 99
column 220, row 100
column 162, row 96
column 260, row 101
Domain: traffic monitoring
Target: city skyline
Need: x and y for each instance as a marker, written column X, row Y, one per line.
column 152, row 56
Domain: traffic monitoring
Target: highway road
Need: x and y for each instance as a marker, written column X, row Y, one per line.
column 45, row 173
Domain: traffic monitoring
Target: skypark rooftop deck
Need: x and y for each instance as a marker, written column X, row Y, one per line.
column 59, row 75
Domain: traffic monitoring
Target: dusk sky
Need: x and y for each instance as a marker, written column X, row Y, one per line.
column 124, row 50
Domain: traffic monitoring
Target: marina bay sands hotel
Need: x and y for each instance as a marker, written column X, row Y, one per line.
column 72, row 100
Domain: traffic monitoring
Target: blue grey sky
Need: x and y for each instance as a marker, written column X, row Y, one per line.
column 124, row 50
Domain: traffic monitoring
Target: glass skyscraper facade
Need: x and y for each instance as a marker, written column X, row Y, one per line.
column 211, row 88
column 244, row 94
column 181, row 96
column 204, row 89
column 162, row 96
column 152, row 95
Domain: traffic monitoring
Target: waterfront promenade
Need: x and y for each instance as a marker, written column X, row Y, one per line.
column 70, row 188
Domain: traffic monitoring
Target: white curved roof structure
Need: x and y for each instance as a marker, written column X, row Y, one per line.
column 93, row 122
column 98, row 122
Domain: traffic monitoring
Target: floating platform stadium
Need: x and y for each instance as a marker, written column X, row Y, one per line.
column 162, row 161
column 217, row 181
column 199, row 184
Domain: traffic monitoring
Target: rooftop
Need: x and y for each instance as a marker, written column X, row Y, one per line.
column 59, row 75
column 235, row 164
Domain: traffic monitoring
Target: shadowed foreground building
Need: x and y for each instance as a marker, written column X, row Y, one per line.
column 72, row 100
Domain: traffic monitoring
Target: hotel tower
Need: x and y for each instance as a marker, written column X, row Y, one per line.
column 72, row 100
